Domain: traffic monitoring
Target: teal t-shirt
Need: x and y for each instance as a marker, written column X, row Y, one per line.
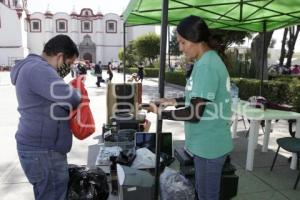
column 210, row 137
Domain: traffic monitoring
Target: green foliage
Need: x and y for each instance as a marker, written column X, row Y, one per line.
column 294, row 95
column 130, row 70
column 275, row 91
column 151, row 72
column 147, row 46
column 283, row 77
column 174, row 46
column 239, row 64
column 148, row 72
column 131, row 56
column 228, row 37
column 177, row 78
column 120, row 54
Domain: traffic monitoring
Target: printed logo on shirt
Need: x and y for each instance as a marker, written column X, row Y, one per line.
column 228, row 84
column 189, row 84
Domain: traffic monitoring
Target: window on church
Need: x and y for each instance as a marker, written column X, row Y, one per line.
column 35, row 25
column 86, row 26
column 61, row 25
column 111, row 26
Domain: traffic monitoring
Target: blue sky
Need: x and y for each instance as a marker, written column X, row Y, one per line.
column 106, row 6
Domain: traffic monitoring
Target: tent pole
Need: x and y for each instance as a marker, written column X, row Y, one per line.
column 263, row 59
column 163, row 44
column 169, row 56
column 124, row 51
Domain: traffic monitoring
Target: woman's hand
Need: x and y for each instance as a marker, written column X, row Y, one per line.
column 152, row 108
column 164, row 102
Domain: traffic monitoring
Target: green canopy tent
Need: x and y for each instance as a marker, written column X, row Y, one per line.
column 243, row 15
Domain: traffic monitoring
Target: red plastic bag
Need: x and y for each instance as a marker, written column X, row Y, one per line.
column 82, row 123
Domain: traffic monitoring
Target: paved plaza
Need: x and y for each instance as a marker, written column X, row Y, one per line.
column 258, row 184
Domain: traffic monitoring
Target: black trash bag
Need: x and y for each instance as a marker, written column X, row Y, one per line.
column 87, row 184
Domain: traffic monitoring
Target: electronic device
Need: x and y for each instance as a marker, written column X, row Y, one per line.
column 122, row 99
column 229, row 180
column 183, row 157
column 186, row 163
column 135, row 183
column 128, row 124
column 148, row 140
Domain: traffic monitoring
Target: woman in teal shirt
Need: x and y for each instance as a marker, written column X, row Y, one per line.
column 205, row 109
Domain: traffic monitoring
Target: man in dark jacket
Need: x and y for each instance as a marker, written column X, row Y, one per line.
column 44, row 102
column 98, row 73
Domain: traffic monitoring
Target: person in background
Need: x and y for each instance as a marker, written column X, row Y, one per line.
column 109, row 71
column 72, row 71
column 205, row 109
column 119, row 67
column 98, row 73
column 140, row 72
column 44, row 102
column 81, row 69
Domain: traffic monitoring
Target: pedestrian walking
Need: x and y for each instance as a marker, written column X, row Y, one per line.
column 109, row 71
column 98, row 73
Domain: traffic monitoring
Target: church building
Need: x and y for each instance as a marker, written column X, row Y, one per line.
column 98, row 36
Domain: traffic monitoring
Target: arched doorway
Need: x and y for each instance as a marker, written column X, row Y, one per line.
column 88, row 56
column 87, row 49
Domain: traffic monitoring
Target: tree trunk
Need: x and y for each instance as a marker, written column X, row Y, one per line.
column 283, row 51
column 291, row 44
column 257, row 55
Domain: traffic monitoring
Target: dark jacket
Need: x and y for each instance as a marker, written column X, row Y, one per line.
column 44, row 101
column 98, row 69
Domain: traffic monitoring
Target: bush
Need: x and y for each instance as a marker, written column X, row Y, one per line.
column 284, row 78
column 148, row 72
column 151, row 72
column 287, row 92
column 130, row 70
column 177, row 78
column 294, row 95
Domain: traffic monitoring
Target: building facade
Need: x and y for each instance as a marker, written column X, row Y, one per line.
column 98, row 37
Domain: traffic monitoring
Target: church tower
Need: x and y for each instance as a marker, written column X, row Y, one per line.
column 13, row 4
column 14, row 25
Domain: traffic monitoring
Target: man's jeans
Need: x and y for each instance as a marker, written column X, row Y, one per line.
column 47, row 171
column 208, row 176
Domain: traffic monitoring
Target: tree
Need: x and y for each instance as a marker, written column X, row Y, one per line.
column 174, row 47
column 222, row 39
column 257, row 55
column 147, row 47
column 131, row 56
column 283, row 51
column 229, row 37
column 293, row 35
